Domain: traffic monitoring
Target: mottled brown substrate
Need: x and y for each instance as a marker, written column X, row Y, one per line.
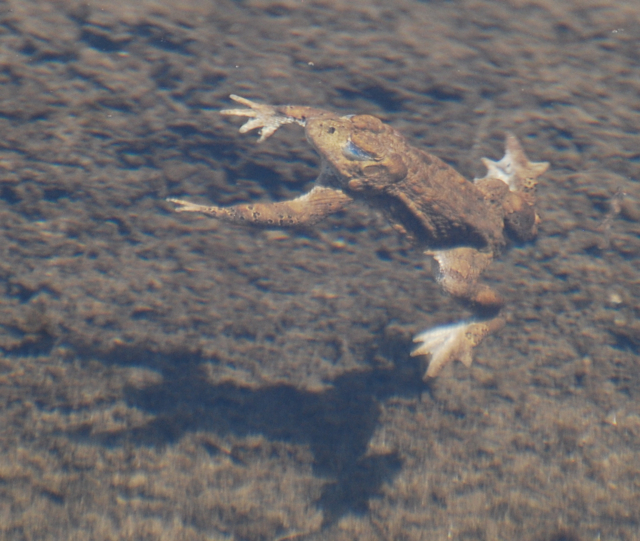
column 298, row 409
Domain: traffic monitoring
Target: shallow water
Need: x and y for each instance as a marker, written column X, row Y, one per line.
column 169, row 377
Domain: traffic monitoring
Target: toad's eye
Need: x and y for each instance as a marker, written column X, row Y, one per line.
column 354, row 152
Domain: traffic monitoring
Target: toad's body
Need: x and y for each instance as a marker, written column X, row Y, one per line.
column 464, row 224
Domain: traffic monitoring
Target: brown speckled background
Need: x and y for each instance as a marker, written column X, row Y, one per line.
column 164, row 376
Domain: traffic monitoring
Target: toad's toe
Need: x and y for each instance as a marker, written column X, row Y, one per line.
column 450, row 342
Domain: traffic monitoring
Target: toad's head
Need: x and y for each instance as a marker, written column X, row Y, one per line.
column 364, row 153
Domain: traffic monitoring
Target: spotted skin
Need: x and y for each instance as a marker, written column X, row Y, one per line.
column 463, row 225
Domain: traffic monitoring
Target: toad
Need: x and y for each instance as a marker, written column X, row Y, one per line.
column 462, row 224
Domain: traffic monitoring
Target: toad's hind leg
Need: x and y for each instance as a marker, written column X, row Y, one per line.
column 453, row 342
column 460, row 269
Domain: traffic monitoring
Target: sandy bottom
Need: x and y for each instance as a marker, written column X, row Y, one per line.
column 165, row 376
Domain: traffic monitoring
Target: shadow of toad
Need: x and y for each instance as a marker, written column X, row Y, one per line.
column 337, row 424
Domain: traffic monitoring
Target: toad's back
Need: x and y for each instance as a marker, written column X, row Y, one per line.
column 421, row 195
column 437, row 207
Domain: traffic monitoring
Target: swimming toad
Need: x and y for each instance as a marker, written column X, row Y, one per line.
column 463, row 224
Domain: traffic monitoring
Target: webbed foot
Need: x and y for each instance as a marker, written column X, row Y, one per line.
column 450, row 342
column 520, row 175
column 515, row 169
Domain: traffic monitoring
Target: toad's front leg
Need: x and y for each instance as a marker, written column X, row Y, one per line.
column 270, row 117
column 304, row 210
column 307, row 209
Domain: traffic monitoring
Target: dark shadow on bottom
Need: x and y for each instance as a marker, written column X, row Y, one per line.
column 337, row 424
